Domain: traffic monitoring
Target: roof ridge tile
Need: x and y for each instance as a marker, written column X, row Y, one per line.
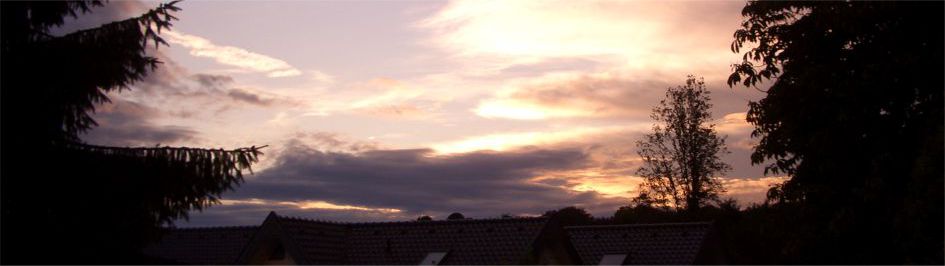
column 214, row 227
column 706, row 223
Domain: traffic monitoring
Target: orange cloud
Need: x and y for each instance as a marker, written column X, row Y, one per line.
column 750, row 190
column 570, row 96
column 515, row 140
column 734, row 123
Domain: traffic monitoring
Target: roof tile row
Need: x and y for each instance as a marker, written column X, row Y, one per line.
column 468, row 241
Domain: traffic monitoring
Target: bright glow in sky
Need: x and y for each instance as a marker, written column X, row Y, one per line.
column 389, row 81
column 307, row 205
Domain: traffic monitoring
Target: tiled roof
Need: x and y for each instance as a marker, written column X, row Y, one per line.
column 489, row 241
column 319, row 242
column 673, row 243
column 468, row 241
column 215, row 245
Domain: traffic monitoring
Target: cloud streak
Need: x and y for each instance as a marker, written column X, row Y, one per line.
column 518, row 140
column 305, row 205
column 600, row 95
column 126, row 123
column 233, row 56
column 174, row 87
column 249, row 97
column 595, row 95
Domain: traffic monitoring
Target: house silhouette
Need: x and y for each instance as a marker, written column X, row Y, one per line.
column 531, row 240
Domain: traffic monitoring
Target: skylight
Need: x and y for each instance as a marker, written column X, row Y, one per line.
column 433, row 258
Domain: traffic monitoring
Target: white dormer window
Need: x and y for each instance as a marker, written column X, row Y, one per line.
column 433, row 258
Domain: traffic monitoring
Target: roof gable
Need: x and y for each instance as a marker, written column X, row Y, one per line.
column 305, row 241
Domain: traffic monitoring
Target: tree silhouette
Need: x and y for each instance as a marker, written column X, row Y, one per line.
column 681, row 155
column 456, row 216
column 855, row 118
column 642, row 213
column 86, row 203
column 569, row 216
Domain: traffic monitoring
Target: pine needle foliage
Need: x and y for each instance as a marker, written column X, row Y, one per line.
column 101, row 204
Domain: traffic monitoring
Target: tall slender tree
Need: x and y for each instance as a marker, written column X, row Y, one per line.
column 84, row 203
column 681, row 155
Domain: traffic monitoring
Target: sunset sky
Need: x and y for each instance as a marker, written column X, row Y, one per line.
column 387, row 110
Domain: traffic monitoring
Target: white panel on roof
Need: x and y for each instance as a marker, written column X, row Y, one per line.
column 433, row 258
column 613, row 259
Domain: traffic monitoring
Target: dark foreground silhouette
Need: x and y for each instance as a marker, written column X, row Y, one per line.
column 67, row 202
column 854, row 117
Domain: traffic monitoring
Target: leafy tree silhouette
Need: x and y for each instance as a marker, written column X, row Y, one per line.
column 65, row 201
column 855, row 118
column 570, row 215
column 681, row 155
